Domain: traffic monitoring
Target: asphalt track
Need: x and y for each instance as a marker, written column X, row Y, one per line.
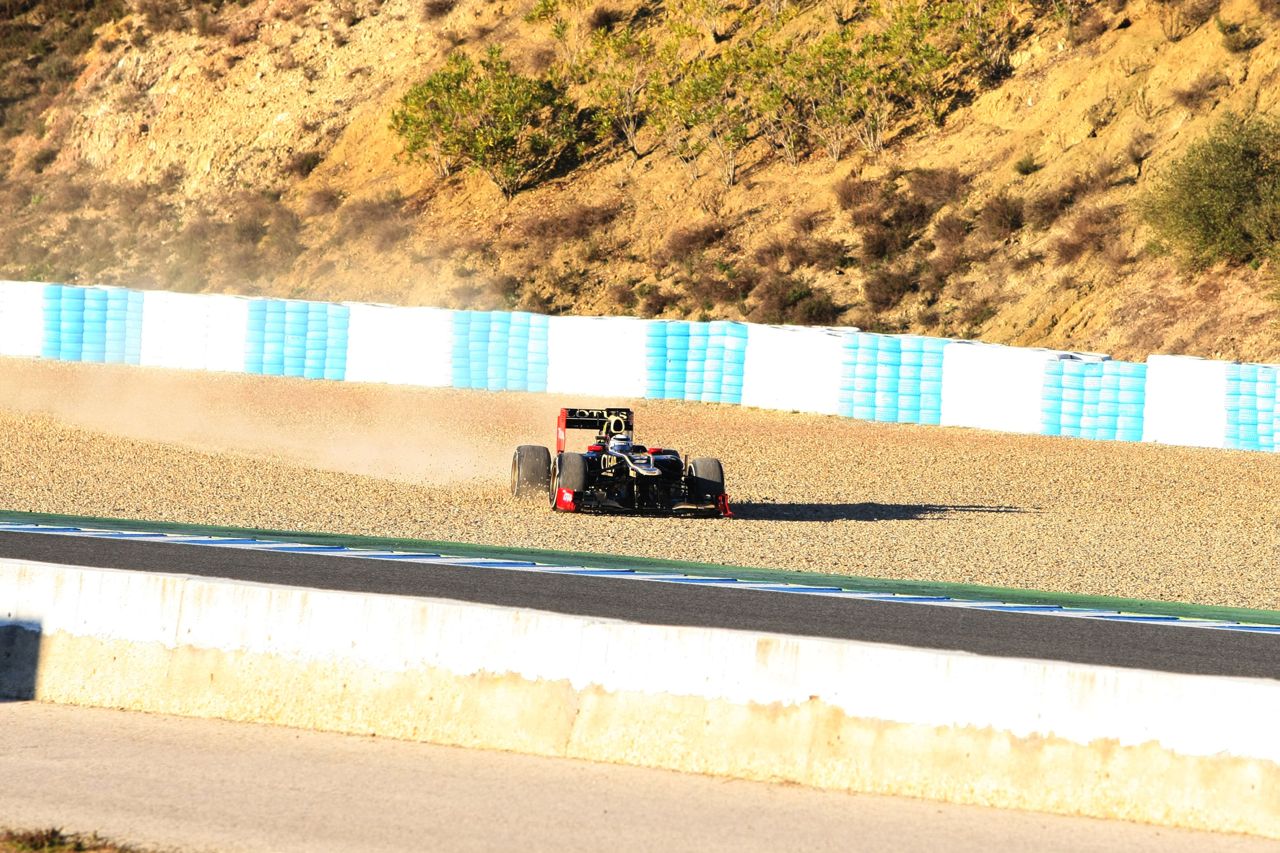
column 1121, row 644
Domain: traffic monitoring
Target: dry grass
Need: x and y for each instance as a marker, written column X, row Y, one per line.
column 1201, row 90
column 1001, row 216
column 684, row 244
column 381, row 221
column 1092, row 230
column 576, row 222
column 56, row 841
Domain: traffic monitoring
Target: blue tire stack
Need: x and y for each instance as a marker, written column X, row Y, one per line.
column 498, row 351
column 695, row 374
column 1121, row 399
column 295, row 338
column 931, row 381
column 1051, row 401
column 316, row 342
column 864, row 377
column 1268, row 415
column 273, row 341
column 1247, row 409
column 518, row 352
column 95, row 325
column 713, row 363
column 478, row 350
column 461, row 351
column 255, row 337
column 888, row 372
column 538, row 325
column 848, row 373
column 71, row 324
column 51, row 342
column 677, row 370
column 655, row 360
column 337, row 329
column 734, row 337
column 911, row 360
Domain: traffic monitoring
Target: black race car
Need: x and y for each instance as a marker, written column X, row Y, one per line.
column 617, row 475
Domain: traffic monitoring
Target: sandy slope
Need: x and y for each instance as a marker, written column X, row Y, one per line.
column 815, row 493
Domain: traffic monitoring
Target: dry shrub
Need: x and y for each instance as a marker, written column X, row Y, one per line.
column 1089, row 27
column 574, row 223
column 717, row 285
column 163, row 16
column 941, row 267
column 303, row 163
column 852, row 193
column 1238, row 38
column 1000, row 216
column 655, row 301
column 683, row 244
column 951, row 230
column 1270, row 8
column 781, row 298
column 242, row 33
column 880, row 242
column 1200, row 91
column 434, row 9
column 1199, row 12
column 379, row 220
column 885, row 286
column 622, row 294
column 67, row 195
column 822, row 254
column 937, row 188
column 1046, row 208
column 604, row 18
column 1090, row 231
column 803, row 222
column 770, row 252
column 321, row 202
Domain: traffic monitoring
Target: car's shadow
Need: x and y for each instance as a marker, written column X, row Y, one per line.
column 769, row 511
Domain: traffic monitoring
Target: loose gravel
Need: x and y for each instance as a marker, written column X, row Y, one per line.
column 810, row 492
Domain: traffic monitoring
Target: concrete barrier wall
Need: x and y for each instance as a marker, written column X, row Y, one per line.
column 891, row 378
column 1180, row 750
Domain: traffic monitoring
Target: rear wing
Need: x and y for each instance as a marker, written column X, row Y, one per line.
column 605, row 422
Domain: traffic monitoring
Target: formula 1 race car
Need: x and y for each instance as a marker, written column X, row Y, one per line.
column 617, row 475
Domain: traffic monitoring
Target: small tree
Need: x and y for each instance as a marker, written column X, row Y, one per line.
column 775, row 85
column 515, row 129
column 623, row 66
column 1220, row 201
column 700, row 110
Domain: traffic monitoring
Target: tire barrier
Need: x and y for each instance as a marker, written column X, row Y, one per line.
column 888, row 378
column 1251, row 407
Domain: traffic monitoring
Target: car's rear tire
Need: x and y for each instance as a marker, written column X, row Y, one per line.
column 569, row 472
column 706, row 480
column 530, row 469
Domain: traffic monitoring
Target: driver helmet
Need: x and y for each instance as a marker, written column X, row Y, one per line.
column 620, row 442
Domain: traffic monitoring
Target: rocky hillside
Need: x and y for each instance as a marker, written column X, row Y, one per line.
column 247, row 147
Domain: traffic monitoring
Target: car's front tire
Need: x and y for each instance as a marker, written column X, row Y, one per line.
column 530, row 469
column 706, row 480
column 569, row 472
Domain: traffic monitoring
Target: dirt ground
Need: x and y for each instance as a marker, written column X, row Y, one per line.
column 812, row 493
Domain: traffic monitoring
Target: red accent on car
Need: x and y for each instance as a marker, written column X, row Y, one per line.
column 560, row 430
column 565, row 502
column 654, row 451
column 722, row 503
column 595, row 448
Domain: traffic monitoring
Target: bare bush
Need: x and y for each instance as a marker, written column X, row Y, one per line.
column 1000, row 216
column 574, row 223
column 435, row 9
column 683, row 244
column 380, row 220
column 1200, row 91
column 885, row 287
column 1090, row 231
